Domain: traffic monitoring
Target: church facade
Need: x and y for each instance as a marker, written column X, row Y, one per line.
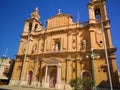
column 50, row 57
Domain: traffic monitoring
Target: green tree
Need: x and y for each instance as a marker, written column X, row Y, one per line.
column 81, row 83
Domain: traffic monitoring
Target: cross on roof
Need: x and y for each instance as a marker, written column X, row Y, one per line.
column 59, row 11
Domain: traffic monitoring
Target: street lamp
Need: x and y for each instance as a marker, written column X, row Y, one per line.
column 25, row 56
column 92, row 55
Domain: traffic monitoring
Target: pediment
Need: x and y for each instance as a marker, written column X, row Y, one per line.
column 59, row 20
column 52, row 60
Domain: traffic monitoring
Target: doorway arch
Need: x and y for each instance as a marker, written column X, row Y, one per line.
column 52, row 73
column 53, row 76
column 30, row 74
column 87, row 74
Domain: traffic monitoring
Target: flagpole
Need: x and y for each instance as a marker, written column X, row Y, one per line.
column 106, row 54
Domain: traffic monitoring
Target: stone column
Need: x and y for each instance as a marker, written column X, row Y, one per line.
column 58, row 84
column 91, row 14
column 46, row 77
column 58, row 74
column 24, row 81
column 34, row 79
column 69, row 73
column 40, row 74
column 69, row 41
column 42, row 78
column 78, row 58
column 109, row 38
column 92, row 37
column 106, row 16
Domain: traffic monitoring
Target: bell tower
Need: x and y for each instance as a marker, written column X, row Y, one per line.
column 97, row 18
column 97, row 10
column 32, row 26
column 100, row 37
column 33, row 23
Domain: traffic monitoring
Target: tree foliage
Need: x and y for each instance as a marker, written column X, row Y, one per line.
column 81, row 83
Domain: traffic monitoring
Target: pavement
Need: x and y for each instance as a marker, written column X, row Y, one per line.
column 8, row 87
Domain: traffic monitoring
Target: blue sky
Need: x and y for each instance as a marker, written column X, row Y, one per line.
column 13, row 14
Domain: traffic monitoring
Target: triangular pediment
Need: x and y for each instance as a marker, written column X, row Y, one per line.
column 52, row 60
column 59, row 20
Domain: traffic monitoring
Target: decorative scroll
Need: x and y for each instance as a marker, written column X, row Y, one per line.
column 99, row 38
column 74, row 42
column 34, row 48
column 48, row 44
column 41, row 45
column 65, row 42
column 84, row 44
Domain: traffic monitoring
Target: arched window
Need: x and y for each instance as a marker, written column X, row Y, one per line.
column 57, row 46
column 30, row 27
column 35, row 27
column 84, row 44
column 97, row 14
column 86, row 74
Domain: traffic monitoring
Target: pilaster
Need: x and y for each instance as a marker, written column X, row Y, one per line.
column 107, row 33
column 36, row 66
column 59, row 84
column 92, row 37
column 69, row 41
column 46, row 78
column 78, row 58
column 69, row 69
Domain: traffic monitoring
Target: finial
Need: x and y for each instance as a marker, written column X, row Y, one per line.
column 35, row 14
column 94, row 0
column 36, row 8
column 78, row 16
column 59, row 11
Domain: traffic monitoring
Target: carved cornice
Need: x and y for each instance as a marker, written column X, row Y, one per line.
column 106, row 24
column 32, row 20
column 94, row 25
column 56, row 31
column 101, row 52
column 97, row 2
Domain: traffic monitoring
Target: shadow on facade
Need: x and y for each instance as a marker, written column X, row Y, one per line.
column 115, row 82
column 5, row 89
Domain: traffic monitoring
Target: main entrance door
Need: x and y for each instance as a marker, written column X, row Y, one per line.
column 52, row 73
column 53, row 76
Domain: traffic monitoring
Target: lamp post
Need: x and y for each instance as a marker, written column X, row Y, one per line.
column 25, row 56
column 92, row 56
column 106, row 55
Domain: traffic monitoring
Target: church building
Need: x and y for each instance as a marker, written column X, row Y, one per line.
column 50, row 57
